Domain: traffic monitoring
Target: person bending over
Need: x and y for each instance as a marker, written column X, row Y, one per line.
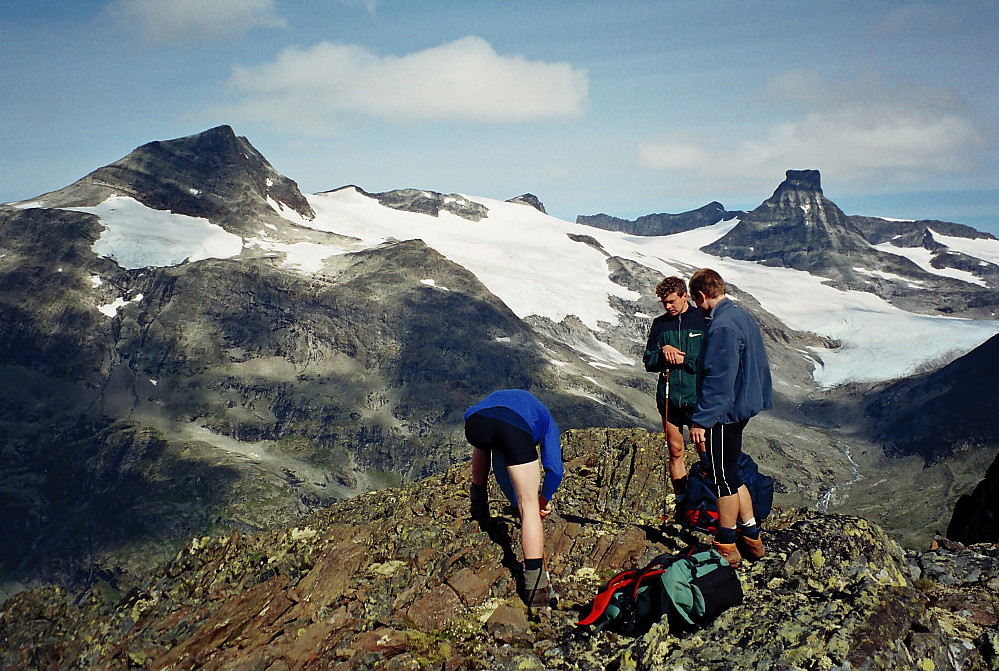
column 511, row 424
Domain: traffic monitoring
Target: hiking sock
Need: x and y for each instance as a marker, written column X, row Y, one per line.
column 725, row 536
column 479, row 501
column 536, row 585
column 680, row 487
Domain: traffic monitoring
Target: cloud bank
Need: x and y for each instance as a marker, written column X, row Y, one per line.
column 180, row 22
column 862, row 131
column 318, row 90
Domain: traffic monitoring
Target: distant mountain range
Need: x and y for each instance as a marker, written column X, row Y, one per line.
column 192, row 345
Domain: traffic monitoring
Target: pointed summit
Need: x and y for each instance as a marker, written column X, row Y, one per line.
column 797, row 227
column 214, row 174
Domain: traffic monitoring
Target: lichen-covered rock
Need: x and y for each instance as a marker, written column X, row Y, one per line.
column 404, row 579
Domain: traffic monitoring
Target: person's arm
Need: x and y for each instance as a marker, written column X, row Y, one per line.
column 551, row 461
column 653, row 357
column 721, row 366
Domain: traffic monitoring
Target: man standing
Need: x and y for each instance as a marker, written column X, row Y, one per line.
column 734, row 384
column 672, row 350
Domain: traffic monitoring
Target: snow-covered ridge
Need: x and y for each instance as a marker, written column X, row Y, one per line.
column 528, row 260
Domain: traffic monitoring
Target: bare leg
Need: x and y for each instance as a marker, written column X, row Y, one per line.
column 526, row 479
column 745, row 504
column 728, row 510
column 674, row 441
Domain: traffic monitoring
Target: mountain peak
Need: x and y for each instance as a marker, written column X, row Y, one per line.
column 214, row 174
column 802, row 180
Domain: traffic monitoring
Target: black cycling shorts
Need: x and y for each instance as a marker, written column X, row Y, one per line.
column 680, row 416
column 488, row 433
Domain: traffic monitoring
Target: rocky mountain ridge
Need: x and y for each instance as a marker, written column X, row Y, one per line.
column 142, row 405
column 662, row 223
column 798, row 227
column 403, row 579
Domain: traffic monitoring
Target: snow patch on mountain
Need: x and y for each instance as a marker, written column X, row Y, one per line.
column 922, row 257
column 136, row 236
column 982, row 248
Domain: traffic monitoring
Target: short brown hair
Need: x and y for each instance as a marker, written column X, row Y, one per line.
column 670, row 285
column 708, row 282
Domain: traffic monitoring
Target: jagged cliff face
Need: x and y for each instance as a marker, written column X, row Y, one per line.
column 404, row 579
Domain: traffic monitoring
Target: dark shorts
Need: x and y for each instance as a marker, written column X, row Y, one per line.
column 723, row 447
column 488, row 433
column 680, row 416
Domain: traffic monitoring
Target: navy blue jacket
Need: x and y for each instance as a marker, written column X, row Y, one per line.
column 734, row 374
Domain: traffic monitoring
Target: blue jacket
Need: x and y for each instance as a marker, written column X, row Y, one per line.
column 734, row 375
column 535, row 419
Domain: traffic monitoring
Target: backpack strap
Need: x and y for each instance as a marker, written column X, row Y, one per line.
column 621, row 581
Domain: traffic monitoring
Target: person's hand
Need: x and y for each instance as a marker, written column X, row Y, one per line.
column 697, row 436
column 545, row 506
column 672, row 355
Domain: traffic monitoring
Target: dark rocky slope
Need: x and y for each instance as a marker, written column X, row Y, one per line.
column 937, row 414
column 402, row 579
column 976, row 515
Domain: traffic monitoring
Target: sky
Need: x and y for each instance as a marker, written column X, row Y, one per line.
column 625, row 108
column 530, row 262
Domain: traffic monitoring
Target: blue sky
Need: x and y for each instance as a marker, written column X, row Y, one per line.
column 626, row 108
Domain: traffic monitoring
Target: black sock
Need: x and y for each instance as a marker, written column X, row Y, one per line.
column 531, row 564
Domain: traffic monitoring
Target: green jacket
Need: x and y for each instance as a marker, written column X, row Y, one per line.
column 685, row 332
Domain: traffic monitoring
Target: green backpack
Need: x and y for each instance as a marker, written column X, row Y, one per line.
column 696, row 586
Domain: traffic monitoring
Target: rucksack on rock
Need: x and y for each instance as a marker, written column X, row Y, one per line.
column 695, row 586
column 698, row 509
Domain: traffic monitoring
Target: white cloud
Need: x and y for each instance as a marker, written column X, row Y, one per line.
column 317, row 89
column 178, row 22
column 860, row 131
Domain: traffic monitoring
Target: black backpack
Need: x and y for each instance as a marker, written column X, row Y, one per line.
column 696, row 586
column 698, row 509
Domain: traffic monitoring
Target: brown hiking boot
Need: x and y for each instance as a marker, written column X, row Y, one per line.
column 752, row 548
column 729, row 551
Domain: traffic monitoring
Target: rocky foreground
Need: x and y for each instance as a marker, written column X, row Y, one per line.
column 403, row 579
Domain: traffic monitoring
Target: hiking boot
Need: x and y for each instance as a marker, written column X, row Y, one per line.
column 479, row 502
column 537, row 588
column 729, row 551
column 752, row 548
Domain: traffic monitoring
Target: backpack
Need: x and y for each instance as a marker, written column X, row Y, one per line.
column 696, row 586
column 698, row 510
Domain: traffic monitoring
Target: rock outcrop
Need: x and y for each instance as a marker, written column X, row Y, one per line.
column 976, row 515
column 403, row 579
